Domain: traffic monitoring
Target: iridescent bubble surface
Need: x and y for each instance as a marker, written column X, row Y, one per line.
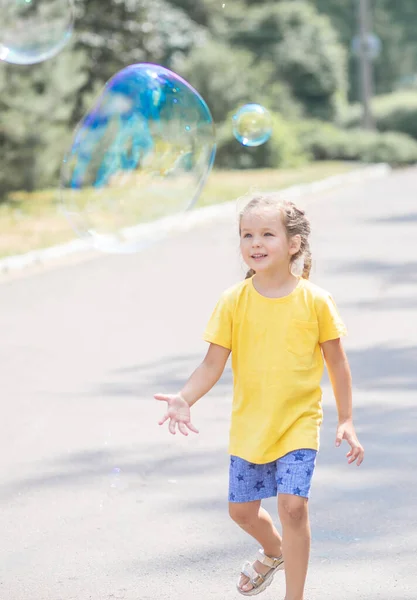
column 252, row 125
column 117, row 479
column 141, row 154
column 32, row 31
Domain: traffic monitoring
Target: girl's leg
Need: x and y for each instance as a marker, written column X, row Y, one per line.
column 293, row 513
column 256, row 521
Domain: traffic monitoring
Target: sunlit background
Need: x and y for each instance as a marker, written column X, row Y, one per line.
column 337, row 79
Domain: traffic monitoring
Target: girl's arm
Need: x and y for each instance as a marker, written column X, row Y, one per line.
column 206, row 375
column 341, row 380
column 200, row 382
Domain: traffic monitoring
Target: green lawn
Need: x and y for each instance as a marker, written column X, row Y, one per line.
column 33, row 221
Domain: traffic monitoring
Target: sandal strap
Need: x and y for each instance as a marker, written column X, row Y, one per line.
column 270, row 561
column 255, row 578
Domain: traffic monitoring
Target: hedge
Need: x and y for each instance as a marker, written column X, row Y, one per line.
column 295, row 143
column 282, row 150
column 392, row 112
column 323, row 141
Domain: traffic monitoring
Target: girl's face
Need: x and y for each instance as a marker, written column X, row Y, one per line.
column 263, row 240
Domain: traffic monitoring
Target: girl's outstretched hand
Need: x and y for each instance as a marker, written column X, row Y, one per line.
column 178, row 413
column 346, row 431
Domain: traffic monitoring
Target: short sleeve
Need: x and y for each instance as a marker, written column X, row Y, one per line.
column 331, row 325
column 219, row 327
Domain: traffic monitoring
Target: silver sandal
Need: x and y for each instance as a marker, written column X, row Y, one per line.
column 260, row 582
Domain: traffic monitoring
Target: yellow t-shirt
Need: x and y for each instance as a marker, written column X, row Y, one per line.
column 277, row 366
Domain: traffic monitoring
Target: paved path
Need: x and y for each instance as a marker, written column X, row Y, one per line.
column 84, row 347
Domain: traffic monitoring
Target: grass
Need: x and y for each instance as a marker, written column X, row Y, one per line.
column 224, row 186
column 30, row 221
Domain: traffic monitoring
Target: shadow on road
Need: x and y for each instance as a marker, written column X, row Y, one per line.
column 384, row 367
column 78, row 470
column 381, row 486
column 404, row 219
column 380, row 367
column 166, row 375
column 389, row 273
column 381, row 304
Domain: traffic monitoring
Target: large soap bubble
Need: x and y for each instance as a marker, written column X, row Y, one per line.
column 141, row 154
column 34, row 30
column 252, row 125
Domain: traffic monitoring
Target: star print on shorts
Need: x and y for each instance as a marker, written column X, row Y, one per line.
column 290, row 474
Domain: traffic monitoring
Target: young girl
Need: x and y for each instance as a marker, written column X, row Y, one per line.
column 278, row 327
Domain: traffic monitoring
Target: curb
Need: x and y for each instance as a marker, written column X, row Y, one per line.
column 150, row 232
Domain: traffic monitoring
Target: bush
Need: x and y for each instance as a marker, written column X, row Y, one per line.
column 393, row 112
column 327, row 142
column 295, row 143
column 397, row 149
column 283, row 150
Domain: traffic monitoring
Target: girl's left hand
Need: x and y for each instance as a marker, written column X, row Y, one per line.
column 346, row 431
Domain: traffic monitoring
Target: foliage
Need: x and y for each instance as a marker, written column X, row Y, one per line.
column 324, row 141
column 303, row 47
column 227, row 78
column 289, row 56
column 35, row 108
column 127, row 32
column 40, row 104
column 283, row 150
column 392, row 112
column 394, row 23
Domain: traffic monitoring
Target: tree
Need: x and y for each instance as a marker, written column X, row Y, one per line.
column 42, row 103
column 394, row 23
column 127, row 32
column 304, row 48
column 228, row 77
column 35, row 111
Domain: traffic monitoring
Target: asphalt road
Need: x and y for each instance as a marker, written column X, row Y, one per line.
column 98, row 502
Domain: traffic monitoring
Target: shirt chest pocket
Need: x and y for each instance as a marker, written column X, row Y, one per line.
column 302, row 338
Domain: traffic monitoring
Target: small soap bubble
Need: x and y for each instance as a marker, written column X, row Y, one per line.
column 252, row 125
column 32, row 31
column 141, row 154
column 117, row 479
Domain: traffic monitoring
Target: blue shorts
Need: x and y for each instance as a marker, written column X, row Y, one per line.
column 290, row 474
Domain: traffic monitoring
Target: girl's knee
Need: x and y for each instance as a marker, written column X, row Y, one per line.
column 243, row 513
column 292, row 509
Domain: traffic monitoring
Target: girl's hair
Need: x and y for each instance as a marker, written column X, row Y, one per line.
column 295, row 223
